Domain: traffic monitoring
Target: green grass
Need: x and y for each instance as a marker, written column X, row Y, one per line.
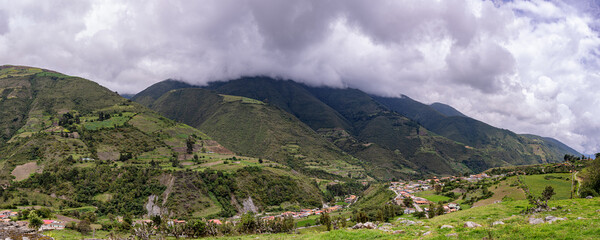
column 431, row 196
column 503, row 191
column 103, row 197
column 537, row 184
column 308, row 221
column 230, row 98
column 114, row 121
column 81, row 209
column 68, row 234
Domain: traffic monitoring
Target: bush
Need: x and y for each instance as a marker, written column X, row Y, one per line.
column 84, row 227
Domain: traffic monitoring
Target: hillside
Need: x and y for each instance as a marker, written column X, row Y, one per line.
column 253, row 128
column 394, row 137
column 69, row 142
column 389, row 144
column 498, row 143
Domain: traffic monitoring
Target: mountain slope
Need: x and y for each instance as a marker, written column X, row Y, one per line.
column 150, row 94
column 377, row 130
column 446, row 110
column 254, row 128
column 287, row 95
column 500, row 143
column 359, row 127
column 69, row 142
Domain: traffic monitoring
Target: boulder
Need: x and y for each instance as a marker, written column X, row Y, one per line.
column 452, row 235
column 358, row 226
column 408, row 222
column 427, row 233
column 497, row 223
column 470, row 224
column 446, row 226
column 369, row 225
column 551, row 219
column 580, row 218
column 589, row 197
column 398, row 232
column 535, row 221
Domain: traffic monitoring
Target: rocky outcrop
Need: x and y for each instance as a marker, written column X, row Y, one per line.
column 470, row 224
column 367, row 225
column 151, row 208
column 248, row 206
column 535, row 221
column 497, row 223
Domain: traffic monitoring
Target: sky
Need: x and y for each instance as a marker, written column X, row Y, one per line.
column 527, row 66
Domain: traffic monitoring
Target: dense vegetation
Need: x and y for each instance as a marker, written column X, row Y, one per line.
column 253, row 128
column 67, row 142
column 369, row 128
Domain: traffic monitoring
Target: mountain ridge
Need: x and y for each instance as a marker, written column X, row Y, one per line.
column 355, row 123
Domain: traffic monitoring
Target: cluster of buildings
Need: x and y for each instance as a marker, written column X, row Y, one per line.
column 52, row 225
column 306, row 212
column 7, row 216
column 405, row 190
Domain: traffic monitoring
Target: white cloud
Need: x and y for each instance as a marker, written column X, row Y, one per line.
column 528, row 66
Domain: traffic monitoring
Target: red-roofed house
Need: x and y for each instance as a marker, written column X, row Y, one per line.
column 215, row 221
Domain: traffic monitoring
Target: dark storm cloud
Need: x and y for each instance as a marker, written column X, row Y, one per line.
column 521, row 65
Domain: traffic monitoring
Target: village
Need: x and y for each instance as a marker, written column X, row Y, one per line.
column 405, row 192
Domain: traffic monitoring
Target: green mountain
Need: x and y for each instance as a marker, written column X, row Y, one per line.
column 253, row 128
column 394, row 137
column 67, row 142
column 446, row 110
column 499, row 143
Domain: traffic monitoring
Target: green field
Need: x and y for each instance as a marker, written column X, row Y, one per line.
column 515, row 227
column 431, row 196
column 504, row 191
column 561, row 182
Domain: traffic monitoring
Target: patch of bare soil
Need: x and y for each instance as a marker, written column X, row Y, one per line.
column 22, row 172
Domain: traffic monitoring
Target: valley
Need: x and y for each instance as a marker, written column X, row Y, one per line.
column 261, row 155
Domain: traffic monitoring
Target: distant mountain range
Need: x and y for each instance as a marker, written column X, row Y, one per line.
column 388, row 137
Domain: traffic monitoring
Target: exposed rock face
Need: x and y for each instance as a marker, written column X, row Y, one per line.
column 248, row 206
column 470, row 224
column 151, row 206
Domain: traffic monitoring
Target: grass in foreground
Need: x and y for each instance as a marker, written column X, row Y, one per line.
column 516, row 225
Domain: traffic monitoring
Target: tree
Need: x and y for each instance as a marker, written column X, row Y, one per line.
column 35, row 222
column 408, row 202
column 325, row 220
column 437, row 188
column 190, row 145
column 84, row 227
column 156, row 220
column 547, row 194
column 361, row 217
column 248, row 224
